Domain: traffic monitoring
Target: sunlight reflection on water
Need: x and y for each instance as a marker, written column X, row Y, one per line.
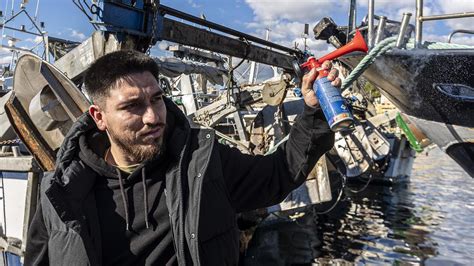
column 427, row 220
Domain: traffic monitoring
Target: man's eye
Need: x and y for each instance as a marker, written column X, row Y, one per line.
column 130, row 106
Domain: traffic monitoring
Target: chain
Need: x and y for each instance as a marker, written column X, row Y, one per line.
column 153, row 27
column 9, row 142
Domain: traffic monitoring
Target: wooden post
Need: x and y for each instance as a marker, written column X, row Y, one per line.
column 31, row 201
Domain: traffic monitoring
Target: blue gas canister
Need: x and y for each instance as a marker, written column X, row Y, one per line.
column 334, row 107
column 332, row 103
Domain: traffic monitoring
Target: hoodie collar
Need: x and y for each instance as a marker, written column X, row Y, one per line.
column 85, row 133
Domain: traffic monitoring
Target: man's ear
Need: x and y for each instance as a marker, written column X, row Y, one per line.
column 98, row 115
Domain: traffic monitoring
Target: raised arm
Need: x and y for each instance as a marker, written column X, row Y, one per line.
column 260, row 181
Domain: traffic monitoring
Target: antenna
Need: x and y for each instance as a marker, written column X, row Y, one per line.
column 36, row 11
column 305, row 35
column 13, row 7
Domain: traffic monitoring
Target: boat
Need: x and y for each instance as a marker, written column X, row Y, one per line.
column 252, row 116
column 435, row 89
column 431, row 82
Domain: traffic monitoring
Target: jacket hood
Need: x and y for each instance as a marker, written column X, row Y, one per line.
column 85, row 141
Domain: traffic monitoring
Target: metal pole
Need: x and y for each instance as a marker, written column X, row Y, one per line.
column 46, row 46
column 403, row 29
column 352, row 18
column 459, row 31
column 176, row 13
column 371, row 23
column 418, row 23
column 2, row 21
column 252, row 72
column 31, row 202
column 380, row 29
column 267, row 38
column 448, row 16
column 4, row 206
column 37, row 9
column 13, row 7
column 254, row 66
column 14, row 48
column 19, row 30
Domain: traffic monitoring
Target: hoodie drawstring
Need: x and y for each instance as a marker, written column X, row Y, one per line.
column 145, row 197
column 125, row 202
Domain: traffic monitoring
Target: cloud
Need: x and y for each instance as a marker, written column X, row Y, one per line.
column 463, row 39
column 77, row 35
column 5, row 59
column 392, row 9
column 318, row 47
column 278, row 31
column 193, row 4
column 36, row 40
column 286, row 18
column 458, row 6
column 299, row 11
column 395, row 9
column 290, row 34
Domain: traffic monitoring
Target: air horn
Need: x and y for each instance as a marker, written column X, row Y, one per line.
column 334, row 107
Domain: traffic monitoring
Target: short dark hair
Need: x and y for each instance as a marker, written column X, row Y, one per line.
column 101, row 76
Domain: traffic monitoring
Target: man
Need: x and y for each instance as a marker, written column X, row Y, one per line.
column 136, row 185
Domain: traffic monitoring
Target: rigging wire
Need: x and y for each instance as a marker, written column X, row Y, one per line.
column 230, row 77
column 3, row 28
column 343, row 187
column 79, row 5
column 356, row 191
column 338, row 199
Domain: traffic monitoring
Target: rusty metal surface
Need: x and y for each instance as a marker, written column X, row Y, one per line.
column 178, row 32
column 28, row 133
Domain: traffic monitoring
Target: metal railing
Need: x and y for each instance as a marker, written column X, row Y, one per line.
column 459, row 31
column 420, row 19
column 373, row 37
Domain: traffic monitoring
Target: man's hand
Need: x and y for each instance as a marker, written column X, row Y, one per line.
column 307, row 84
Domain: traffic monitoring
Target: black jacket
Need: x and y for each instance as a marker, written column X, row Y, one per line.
column 207, row 185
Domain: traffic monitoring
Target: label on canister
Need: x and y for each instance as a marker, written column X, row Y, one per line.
column 334, row 106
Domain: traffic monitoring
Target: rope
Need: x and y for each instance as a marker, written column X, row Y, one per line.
column 386, row 45
column 439, row 45
column 378, row 50
column 9, row 142
column 275, row 147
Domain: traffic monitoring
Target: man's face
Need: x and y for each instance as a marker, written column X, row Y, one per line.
column 134, row 116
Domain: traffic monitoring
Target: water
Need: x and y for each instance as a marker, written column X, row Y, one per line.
column 428, row 220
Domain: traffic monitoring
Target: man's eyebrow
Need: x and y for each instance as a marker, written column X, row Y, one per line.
column 129, row 100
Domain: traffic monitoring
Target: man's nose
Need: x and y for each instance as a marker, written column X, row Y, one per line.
column 151, row 116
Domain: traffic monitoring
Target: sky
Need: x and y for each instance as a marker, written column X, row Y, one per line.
column 284, row 18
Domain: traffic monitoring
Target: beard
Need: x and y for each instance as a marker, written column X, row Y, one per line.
column 138, row 152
